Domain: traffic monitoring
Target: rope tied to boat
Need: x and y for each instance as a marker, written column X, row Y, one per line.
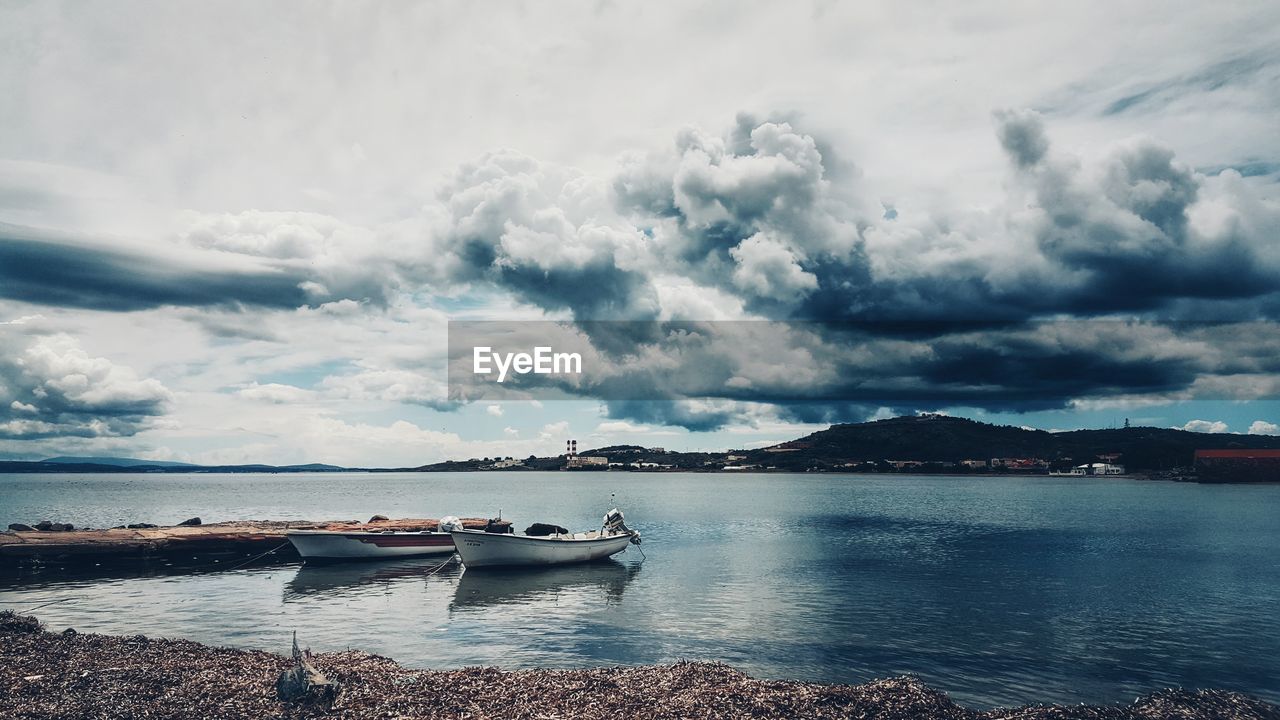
column 452, row 559
column 237, row 566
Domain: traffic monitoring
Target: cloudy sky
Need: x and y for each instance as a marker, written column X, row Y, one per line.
column 236, row 232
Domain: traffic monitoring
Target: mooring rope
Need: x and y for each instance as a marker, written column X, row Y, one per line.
column 452, row 558
column 255, row 557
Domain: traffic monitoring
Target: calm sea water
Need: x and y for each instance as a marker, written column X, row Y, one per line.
column 999, row 591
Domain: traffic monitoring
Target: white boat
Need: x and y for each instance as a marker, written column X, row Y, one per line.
column 482, row 549
column 351, row 545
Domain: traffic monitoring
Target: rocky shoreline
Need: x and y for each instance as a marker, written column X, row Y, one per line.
column 69, row 674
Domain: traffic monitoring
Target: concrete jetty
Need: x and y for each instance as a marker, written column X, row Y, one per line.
column 182, row 544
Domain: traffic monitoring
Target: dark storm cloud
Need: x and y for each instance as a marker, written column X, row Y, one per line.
column 1124, row 237
column 691, row 416
column 706, row 417
column 594, row 290
column 949, row 309
column 40, row 267
column 702, row 375
column 1023, row 137
column 757, row 215
column 753, row 213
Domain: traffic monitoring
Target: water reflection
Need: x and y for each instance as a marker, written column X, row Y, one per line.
column 481, row 588
column 340, row 579
column 999, row 590
column 52, row 575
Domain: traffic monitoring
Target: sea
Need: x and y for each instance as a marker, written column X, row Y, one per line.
column 998, row 590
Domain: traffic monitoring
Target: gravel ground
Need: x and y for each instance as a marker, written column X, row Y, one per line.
column 71, row 675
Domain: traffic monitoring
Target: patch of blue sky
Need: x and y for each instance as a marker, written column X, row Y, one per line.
column 1237, row 415
column 307, row 376
column 1248, row 168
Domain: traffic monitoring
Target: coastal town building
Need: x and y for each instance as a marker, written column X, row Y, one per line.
column 1238, row 465
column 587, row 461
column 1019, row 464
column 1098, row 468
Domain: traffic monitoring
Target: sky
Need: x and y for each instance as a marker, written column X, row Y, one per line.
column 237, row 232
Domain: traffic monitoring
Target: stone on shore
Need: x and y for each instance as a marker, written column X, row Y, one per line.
column 189, row 522
column 49, row 526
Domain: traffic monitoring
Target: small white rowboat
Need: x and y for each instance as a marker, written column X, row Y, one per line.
column 482, row 549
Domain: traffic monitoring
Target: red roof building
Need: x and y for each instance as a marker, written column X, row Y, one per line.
column 1235, row 453
column 1238, row 465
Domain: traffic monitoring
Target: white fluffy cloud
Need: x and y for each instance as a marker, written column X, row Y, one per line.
column 766, row 268
column 275, row 393
column 544, row 233
column 55, row 388
column 1206, row 426
column 614, row 427
column 1262, row 427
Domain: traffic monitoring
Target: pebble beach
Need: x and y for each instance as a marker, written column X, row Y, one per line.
column 70, row 674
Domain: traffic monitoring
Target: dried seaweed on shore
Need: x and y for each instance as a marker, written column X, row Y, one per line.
column 46, row 675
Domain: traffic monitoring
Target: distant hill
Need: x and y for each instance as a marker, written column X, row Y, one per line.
column 615, row 449
column 940, row 439
column 119, row 462
column 116, row 465
column 945, row 438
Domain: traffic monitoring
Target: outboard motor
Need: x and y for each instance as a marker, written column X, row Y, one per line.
column 615, row 522
column 449, row 523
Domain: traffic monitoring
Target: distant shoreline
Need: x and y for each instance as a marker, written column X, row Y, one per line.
column 664, row 471
column 930, row 445
column 1144, row 477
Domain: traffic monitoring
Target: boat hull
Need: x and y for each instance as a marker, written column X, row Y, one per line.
column 481, row 549
column 329, row 545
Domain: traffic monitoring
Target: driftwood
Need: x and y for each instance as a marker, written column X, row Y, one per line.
column 303, row 683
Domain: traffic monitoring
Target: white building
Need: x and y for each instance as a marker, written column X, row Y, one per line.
column 1098, row 468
